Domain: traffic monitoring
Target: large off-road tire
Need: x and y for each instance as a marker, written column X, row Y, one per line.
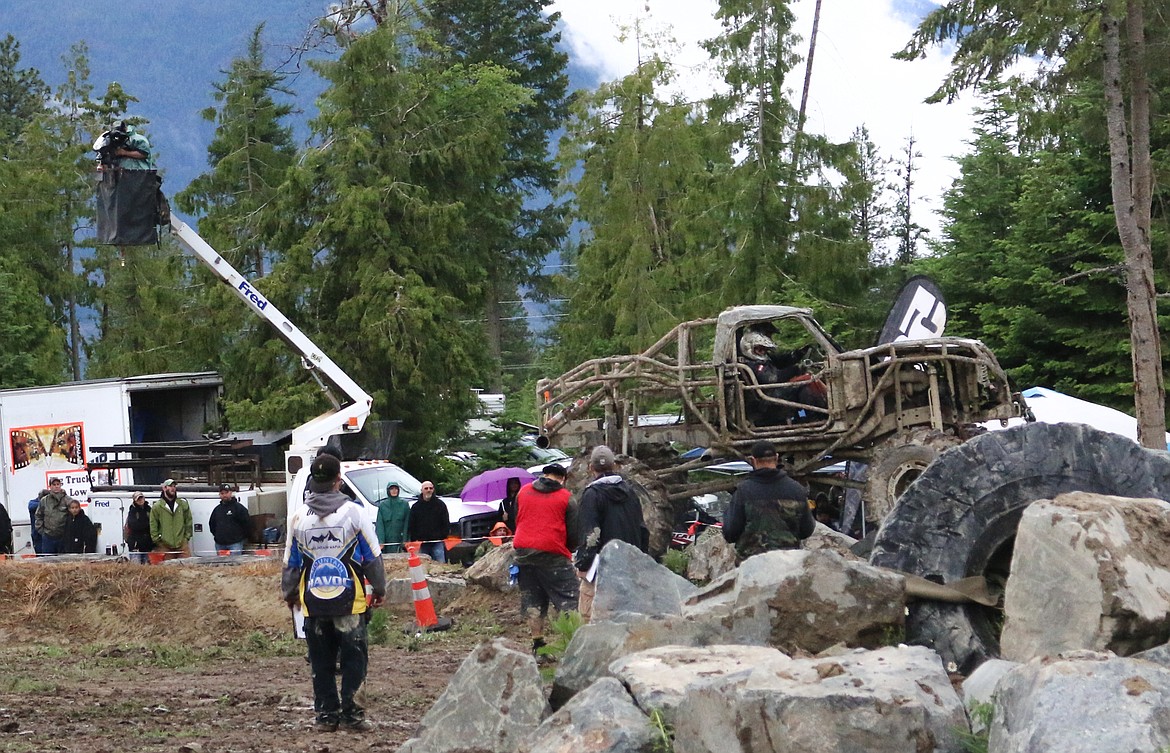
column 959, row 518
column 896, row 463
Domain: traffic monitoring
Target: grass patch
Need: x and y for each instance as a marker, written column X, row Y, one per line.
column 676, row 560
column 981, row 713
column 663, row 741
column 12, row 684
column 561, row 631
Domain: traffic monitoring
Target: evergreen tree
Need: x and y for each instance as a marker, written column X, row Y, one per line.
column 517, row 221
column 1104, row 43
column 375, row 217
column 22, row 94
column 650, row 180
column 249, row 157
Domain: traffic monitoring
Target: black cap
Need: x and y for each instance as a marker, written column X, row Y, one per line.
column 323, row 472
column 554, row 469
column 763, row 449
column 226, row 488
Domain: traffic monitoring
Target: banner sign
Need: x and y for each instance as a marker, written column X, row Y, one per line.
column 919, row 313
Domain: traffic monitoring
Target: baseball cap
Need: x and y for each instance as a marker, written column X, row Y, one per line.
column 226, row 488
column 763, row 449
column 54, row 481
column 323, row 472
column 554, row 469
column 169, row 482
column 601, row 458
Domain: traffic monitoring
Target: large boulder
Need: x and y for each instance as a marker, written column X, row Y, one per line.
column 630, row 581
column 443, row 589
column 601, row 719
column 660, row 678
column 596, row 645
column 710, row 556
column 1089, row 572
column 495, row 699
column 1083, row 702
column 803, row 601
column 492, row 570
column 891, row 700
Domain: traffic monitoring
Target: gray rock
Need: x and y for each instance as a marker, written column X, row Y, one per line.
column 600, row 719
column 659, row 678
column 803, row 601
column 1082, row 703
column 628, row 580
column 443, row 588
column 494, row 701
column 491, row 570
column 979, row 688
column 1157, row 654
column 891, row 700
column 596, row 645
column 710, row 556
column 1090, row 572
column 824, row 537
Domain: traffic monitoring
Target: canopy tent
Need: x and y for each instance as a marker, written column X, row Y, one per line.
column 1054, row 407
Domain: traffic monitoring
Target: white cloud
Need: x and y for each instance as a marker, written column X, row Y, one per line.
column 855, row 81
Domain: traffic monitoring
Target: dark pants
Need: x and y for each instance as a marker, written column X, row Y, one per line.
column 436, row 550
column 329, row 639
column 50, row 545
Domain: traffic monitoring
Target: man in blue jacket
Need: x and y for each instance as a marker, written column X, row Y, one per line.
column 332, row 548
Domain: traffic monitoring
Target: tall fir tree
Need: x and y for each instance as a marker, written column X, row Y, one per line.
column 650, row 179
column 374, row 213
column 517, row 219
column 249, row 157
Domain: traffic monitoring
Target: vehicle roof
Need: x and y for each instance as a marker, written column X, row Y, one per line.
column 732, row 319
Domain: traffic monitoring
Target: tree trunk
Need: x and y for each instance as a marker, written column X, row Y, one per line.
column 1129, row 151
column 495, row 333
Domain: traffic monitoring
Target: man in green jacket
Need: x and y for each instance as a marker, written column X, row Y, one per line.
column 393, row 516
column 171, row 526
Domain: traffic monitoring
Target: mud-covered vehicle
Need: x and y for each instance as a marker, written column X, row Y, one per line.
column 893, row 406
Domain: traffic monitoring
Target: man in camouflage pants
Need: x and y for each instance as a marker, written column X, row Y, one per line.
column 769, row 510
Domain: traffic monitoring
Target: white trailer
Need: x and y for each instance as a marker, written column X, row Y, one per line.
column 48, row 432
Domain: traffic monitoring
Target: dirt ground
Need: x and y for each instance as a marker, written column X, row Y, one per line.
column 107, row 657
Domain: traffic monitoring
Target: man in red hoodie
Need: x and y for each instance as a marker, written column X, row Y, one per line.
column 546, row 534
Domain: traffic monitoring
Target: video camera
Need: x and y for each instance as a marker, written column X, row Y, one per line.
column 108, row 143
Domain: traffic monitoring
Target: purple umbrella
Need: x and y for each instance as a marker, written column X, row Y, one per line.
column 490, row 486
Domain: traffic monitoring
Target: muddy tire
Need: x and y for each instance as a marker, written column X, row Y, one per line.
column 895, row 465
column 959, row 518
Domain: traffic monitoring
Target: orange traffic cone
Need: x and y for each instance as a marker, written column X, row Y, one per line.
column 424, row 608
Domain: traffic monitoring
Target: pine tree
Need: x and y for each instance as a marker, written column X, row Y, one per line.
column 22, row 94
column 517, row 220
column 375, row 216
column 249, row 157
column 650, row 175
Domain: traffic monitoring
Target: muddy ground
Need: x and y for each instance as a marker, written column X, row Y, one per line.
column 107, row 657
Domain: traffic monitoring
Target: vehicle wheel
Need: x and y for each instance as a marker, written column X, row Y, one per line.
column 896, row 465
column 959, row 518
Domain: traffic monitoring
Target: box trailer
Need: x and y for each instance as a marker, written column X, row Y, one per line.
column 50, row 432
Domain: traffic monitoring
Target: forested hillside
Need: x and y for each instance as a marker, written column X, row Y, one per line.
column 401, row 224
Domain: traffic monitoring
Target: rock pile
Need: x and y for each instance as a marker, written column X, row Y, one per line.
column 800, row 651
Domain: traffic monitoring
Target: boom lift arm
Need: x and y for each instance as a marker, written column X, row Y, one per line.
column 346, row 417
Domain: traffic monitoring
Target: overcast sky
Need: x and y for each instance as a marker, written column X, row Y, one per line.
column 855, row 81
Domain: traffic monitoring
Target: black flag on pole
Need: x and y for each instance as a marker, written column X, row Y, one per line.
column 919, row 313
